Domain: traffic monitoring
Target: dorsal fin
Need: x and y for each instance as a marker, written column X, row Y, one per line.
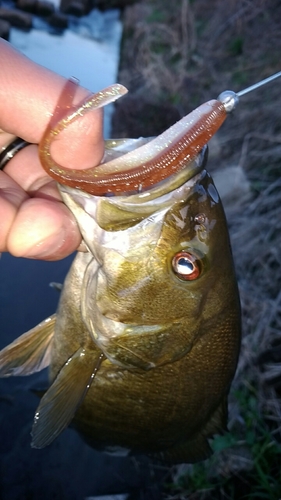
column 58, row 406
column 30, row 352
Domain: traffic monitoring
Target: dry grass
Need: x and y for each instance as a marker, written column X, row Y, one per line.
column 186, row 53
column 185, row 49
column 247, row 461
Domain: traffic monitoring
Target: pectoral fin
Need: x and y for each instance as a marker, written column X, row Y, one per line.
column 59, row 404
column 30, row 352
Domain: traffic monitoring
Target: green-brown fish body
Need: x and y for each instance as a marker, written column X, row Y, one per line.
column 147, row 333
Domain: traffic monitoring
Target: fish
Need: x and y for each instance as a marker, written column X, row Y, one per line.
column 145, row 342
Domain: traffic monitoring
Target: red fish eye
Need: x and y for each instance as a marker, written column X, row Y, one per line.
column 186, row 266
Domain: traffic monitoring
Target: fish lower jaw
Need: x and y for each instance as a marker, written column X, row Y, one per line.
column 105, row 329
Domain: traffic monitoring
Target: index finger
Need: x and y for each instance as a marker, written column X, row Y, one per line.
column 28, row 97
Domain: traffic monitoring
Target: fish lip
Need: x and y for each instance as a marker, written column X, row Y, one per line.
column 163, row 188
column 151, row 201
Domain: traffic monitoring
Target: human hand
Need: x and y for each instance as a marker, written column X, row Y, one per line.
column 34, row 223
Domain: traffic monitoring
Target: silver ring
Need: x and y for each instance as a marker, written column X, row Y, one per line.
column 11, row 150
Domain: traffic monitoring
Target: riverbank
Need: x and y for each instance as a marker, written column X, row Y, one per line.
column 174, row 57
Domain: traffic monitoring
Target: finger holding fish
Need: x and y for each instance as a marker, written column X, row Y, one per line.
column 28, row 96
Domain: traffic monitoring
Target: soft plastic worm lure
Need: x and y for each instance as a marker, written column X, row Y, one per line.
column 148, row 164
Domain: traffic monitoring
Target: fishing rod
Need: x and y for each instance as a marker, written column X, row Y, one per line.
column 230, row 99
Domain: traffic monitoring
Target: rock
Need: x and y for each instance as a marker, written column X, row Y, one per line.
column 27, row 5
column 58, row 20
column 136, row 116
column 16, row 18
column 40, row 7
column 44, row 8
column 4, row 29
column 75, row 7
column 112, row 4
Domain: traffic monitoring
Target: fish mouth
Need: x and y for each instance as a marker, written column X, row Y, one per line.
column 189, row 175
column 110, row 214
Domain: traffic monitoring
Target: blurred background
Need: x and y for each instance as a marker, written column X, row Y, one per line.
column 172, row 56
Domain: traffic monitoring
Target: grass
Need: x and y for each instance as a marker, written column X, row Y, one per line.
column 246, row 465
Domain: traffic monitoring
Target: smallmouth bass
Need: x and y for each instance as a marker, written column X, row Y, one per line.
column 145, row 342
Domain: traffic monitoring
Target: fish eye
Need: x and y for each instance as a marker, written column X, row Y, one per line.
column 186, row 266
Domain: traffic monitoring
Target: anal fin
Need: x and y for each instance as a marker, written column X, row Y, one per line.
column 59, row 404
column 30, row 352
